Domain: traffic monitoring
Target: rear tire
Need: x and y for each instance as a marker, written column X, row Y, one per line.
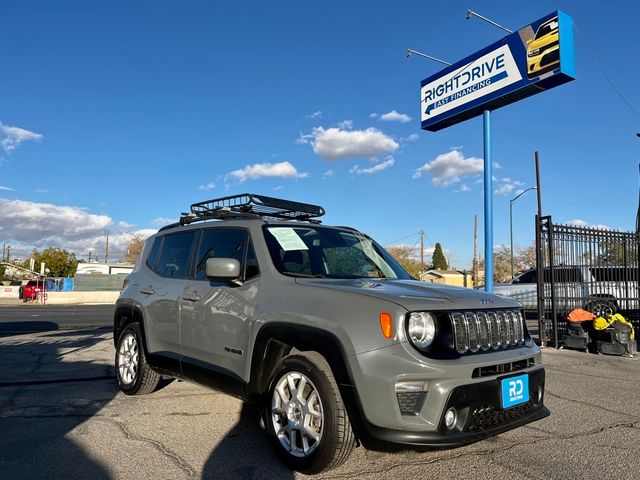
column 134, row 375
column 601, row 306
column 305, row 416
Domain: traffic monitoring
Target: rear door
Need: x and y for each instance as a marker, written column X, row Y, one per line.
column 161, row 293
column 216, row 316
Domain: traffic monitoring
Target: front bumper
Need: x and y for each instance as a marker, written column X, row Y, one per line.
column 479, row 416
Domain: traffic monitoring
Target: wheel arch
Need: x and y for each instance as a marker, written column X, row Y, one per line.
column 276, row 340
column 125, row 315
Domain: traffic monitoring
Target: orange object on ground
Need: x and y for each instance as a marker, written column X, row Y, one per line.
column 580, row 315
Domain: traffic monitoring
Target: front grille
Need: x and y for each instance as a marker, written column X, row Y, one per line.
column 483, row 418
column 475, row 331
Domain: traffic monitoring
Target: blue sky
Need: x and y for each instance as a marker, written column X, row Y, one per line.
column 116, row 115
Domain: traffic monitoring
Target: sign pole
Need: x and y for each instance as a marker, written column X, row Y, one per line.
column 488, row 204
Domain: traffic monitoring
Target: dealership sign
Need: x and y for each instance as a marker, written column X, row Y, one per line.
column 533, row 59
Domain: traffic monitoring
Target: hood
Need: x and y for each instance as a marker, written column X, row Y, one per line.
column 414, row 295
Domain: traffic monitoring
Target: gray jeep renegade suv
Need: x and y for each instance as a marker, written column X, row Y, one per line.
column 321, row 327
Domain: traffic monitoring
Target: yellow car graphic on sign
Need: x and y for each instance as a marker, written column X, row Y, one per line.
column 543, row 53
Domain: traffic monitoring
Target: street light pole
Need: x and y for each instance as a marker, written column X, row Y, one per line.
column 511, row 224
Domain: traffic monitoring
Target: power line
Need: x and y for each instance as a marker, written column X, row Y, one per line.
column 403, row 238
column 602, row 70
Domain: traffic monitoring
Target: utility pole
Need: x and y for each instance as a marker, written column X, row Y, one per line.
column 8, row 253
column 421, row 251
column 106, row 250
column 475, row 251
column 90, row 252
column 4, row 247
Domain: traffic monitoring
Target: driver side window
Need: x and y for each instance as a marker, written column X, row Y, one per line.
column 220, row 243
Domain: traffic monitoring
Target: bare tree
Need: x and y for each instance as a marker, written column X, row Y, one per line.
column 134, row 248
column 405, row 256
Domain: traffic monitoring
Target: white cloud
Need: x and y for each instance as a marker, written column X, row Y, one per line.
column 375, row 169
column 345, row 124
column 463, row 188
column 30, row 225
column 278, row 188
column 207, row 186
column 261, row 170
column 581, row 223
column 504, row 189
column 450, row 167
column 9, row 189
column 329, row 173
column 411, row 138
column 394, row 116
column 507, row 186
column 317, row 114
column 41, row 190
column 12, row 137
column 336, row 143
column 161, row 221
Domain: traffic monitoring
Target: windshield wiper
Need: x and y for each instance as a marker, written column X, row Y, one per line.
column 303, row 275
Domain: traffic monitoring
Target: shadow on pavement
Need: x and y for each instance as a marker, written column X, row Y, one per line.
column 245, row 452
column 8, row 329
column 36, row 415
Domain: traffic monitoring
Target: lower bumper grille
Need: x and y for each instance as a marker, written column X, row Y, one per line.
column 487, row 417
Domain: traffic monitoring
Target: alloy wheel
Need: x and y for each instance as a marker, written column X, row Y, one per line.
column 296, row 413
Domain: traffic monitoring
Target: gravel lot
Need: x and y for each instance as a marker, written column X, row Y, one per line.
column 61, row 416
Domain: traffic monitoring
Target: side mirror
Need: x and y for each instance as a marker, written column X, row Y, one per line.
column 223, row 268
column 515, row 280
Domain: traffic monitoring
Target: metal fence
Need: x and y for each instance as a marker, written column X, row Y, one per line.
column 591, row 268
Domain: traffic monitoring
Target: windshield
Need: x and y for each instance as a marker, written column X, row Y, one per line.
column 314, row 251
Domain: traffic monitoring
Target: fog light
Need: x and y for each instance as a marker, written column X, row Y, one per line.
column 450, row 418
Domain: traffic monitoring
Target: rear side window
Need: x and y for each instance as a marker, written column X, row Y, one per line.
column 220, row 243
column 152, row 259
column 528, row 277
column 563, row 275
column 174, row 257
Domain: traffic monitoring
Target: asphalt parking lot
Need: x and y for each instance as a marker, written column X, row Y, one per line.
column 62, row 416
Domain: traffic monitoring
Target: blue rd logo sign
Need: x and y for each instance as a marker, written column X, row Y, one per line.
column 515, row 390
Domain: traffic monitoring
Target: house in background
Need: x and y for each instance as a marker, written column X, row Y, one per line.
column 457, row 278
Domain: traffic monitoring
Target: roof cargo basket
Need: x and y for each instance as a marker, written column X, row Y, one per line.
column 252, row 205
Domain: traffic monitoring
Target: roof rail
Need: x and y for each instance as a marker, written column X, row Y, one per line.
column 249, row 205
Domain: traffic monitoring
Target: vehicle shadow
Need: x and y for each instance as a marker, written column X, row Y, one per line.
column 245, row 452
column 47, row 390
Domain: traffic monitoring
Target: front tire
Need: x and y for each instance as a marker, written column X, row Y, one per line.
column 305, row 416
column 134, row 375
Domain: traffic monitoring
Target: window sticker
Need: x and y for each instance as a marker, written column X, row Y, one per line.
column 288, row 238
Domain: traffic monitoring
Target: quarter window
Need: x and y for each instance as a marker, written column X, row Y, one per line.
column 152, row 259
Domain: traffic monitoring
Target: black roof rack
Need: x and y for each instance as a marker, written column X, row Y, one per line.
column 250, row 205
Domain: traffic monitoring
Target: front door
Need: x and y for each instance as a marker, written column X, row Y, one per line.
column 216, row 316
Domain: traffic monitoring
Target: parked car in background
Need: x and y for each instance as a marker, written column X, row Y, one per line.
column 599, row 289
column 30, row 290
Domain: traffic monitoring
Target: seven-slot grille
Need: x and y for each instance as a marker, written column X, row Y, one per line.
column 474, row 331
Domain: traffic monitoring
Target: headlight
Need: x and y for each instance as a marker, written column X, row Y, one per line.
column 421, row 329
column 534, row 52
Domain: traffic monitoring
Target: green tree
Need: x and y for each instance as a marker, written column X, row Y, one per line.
column 60, row 263
column 438, row 260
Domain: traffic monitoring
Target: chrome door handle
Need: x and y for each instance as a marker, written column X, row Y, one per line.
column 147, row 291
column 192, row 297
